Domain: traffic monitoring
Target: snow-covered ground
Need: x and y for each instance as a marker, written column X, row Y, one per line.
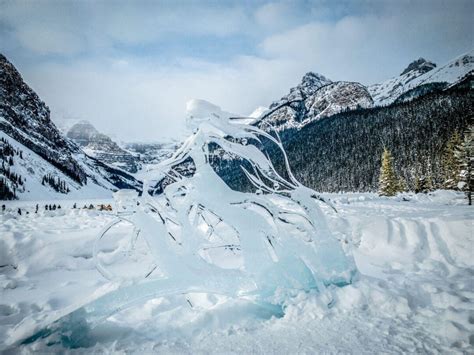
column 415, row 291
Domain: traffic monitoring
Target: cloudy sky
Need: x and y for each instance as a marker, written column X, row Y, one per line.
column 130, row 66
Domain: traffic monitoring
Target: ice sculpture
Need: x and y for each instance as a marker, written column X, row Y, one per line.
column 279, row 235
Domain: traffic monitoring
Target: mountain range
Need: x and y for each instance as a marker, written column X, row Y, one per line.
column 38, row 161
column 317, row 96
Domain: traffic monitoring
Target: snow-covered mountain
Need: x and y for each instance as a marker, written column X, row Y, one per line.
column 420, row 77
column 37, row 160
column 317, row 96
column 151, row 152
column 102, row 147
column 314, row 98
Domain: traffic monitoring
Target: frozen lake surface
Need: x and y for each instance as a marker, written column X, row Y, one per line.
column 415, row 291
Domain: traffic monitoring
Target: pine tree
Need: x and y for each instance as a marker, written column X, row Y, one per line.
column 465, row 154
column 423, row 184
column 450, row 163
column 388, row 182
column 402, row 185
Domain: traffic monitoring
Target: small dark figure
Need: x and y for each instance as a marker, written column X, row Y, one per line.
column 46, row 207
column 54, row 207
column 85, row 207
column 19, row 211
column 3, row 208
column 91, row 206
column 37, row 207
column 50, row 207
column 74, row 206
column 59, row 207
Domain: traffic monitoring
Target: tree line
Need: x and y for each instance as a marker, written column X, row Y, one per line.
column 10, row 181
column 457, row 164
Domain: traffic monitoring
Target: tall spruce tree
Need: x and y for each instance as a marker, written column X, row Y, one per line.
column 465, row 154
column 450, row 163
column 388, row 181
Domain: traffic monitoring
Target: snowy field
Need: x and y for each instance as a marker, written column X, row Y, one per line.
column 415, row 291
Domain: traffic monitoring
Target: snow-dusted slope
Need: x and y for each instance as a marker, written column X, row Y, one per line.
column 25, row 122
column 316, row 97
column 421, row 73
column 32, row 168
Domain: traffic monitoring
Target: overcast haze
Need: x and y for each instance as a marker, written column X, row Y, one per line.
column 130, row 67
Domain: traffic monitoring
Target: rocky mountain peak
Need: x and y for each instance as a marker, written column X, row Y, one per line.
column 311, row 78
column 310, row 83
column 102, row 147
column 82, row 132
column 421, row 65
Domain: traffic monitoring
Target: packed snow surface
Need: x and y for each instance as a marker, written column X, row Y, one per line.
column 414, row 292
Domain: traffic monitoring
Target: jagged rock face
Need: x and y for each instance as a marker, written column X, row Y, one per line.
column 337, row 97
column 316, row 97
column 421, row 77
column 25, row 121
column 102, row 147
column 421, row 66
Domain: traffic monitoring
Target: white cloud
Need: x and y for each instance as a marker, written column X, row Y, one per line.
column 65, row 27
column 134, row 99
column 48, row 41
column 371, row 47
column 278, row 15
column 143, row 95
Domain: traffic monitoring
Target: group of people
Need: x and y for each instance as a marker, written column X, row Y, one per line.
column 54, row 207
